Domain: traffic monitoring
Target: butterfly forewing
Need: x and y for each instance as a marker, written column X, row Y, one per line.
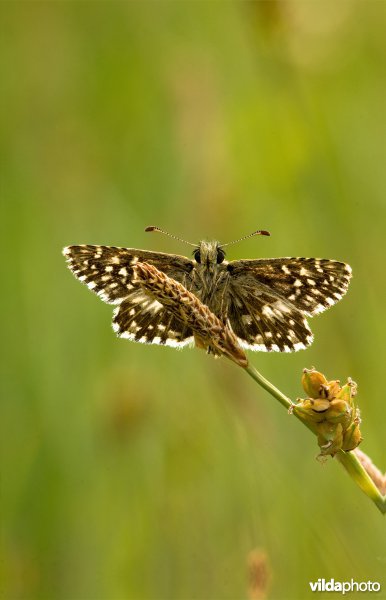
column 310, row 284
column 108, row 270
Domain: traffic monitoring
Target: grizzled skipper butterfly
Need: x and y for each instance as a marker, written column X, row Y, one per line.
column 265, row 302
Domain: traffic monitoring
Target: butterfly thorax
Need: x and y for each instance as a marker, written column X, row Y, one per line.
column 210, row 274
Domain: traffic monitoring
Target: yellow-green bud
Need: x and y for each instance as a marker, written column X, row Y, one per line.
column 339, row 412
column 320, row 405
column 312, row 382
column 348, row 391
column 352, row 437
column 333, row 389
column 330, row 438
column 305, row 410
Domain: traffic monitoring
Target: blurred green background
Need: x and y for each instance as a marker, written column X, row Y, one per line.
column 137, row 472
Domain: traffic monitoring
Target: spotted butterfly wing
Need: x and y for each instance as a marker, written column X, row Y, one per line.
column 108, row 272
column 270, row 299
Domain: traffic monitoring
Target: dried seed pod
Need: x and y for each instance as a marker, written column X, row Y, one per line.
column 209, row 332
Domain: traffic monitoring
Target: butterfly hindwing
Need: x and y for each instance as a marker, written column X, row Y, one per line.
column 264, row 321
column 141, row 318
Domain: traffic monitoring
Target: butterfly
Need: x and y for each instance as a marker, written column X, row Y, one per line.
column 265, row 302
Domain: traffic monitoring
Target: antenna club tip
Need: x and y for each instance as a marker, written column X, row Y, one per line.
column 151, row 228
column 264, row 232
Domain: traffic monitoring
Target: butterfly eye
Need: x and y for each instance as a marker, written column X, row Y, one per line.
column 197, row 255
column 220, row 255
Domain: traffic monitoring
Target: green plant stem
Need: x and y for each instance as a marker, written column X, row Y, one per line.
column 347, row 459
column 276, row 393
column 359, row 474
column 267, row 385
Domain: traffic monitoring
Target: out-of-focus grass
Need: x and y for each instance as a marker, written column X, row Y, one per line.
column 137, row 472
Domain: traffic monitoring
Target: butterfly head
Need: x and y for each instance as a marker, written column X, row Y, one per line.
column 209, row 254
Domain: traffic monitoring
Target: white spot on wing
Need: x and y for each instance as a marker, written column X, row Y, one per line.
column 318, row 309
column 247, row 319
column 281, row 306
column 129, row 335
column 174, row 344
column 155, row 306
column 267, row 311
column 299, row 346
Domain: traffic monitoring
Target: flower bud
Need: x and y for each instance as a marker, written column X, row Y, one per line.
column 348, row 391
column 330, row 438
column 312, row 382
column 320, row 405
column 333, row 388
column 351, row 435
column 305, row 410
column 339, row 412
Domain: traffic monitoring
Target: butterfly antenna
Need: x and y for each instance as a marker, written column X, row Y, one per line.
column 153, row 228
column 259, row 232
